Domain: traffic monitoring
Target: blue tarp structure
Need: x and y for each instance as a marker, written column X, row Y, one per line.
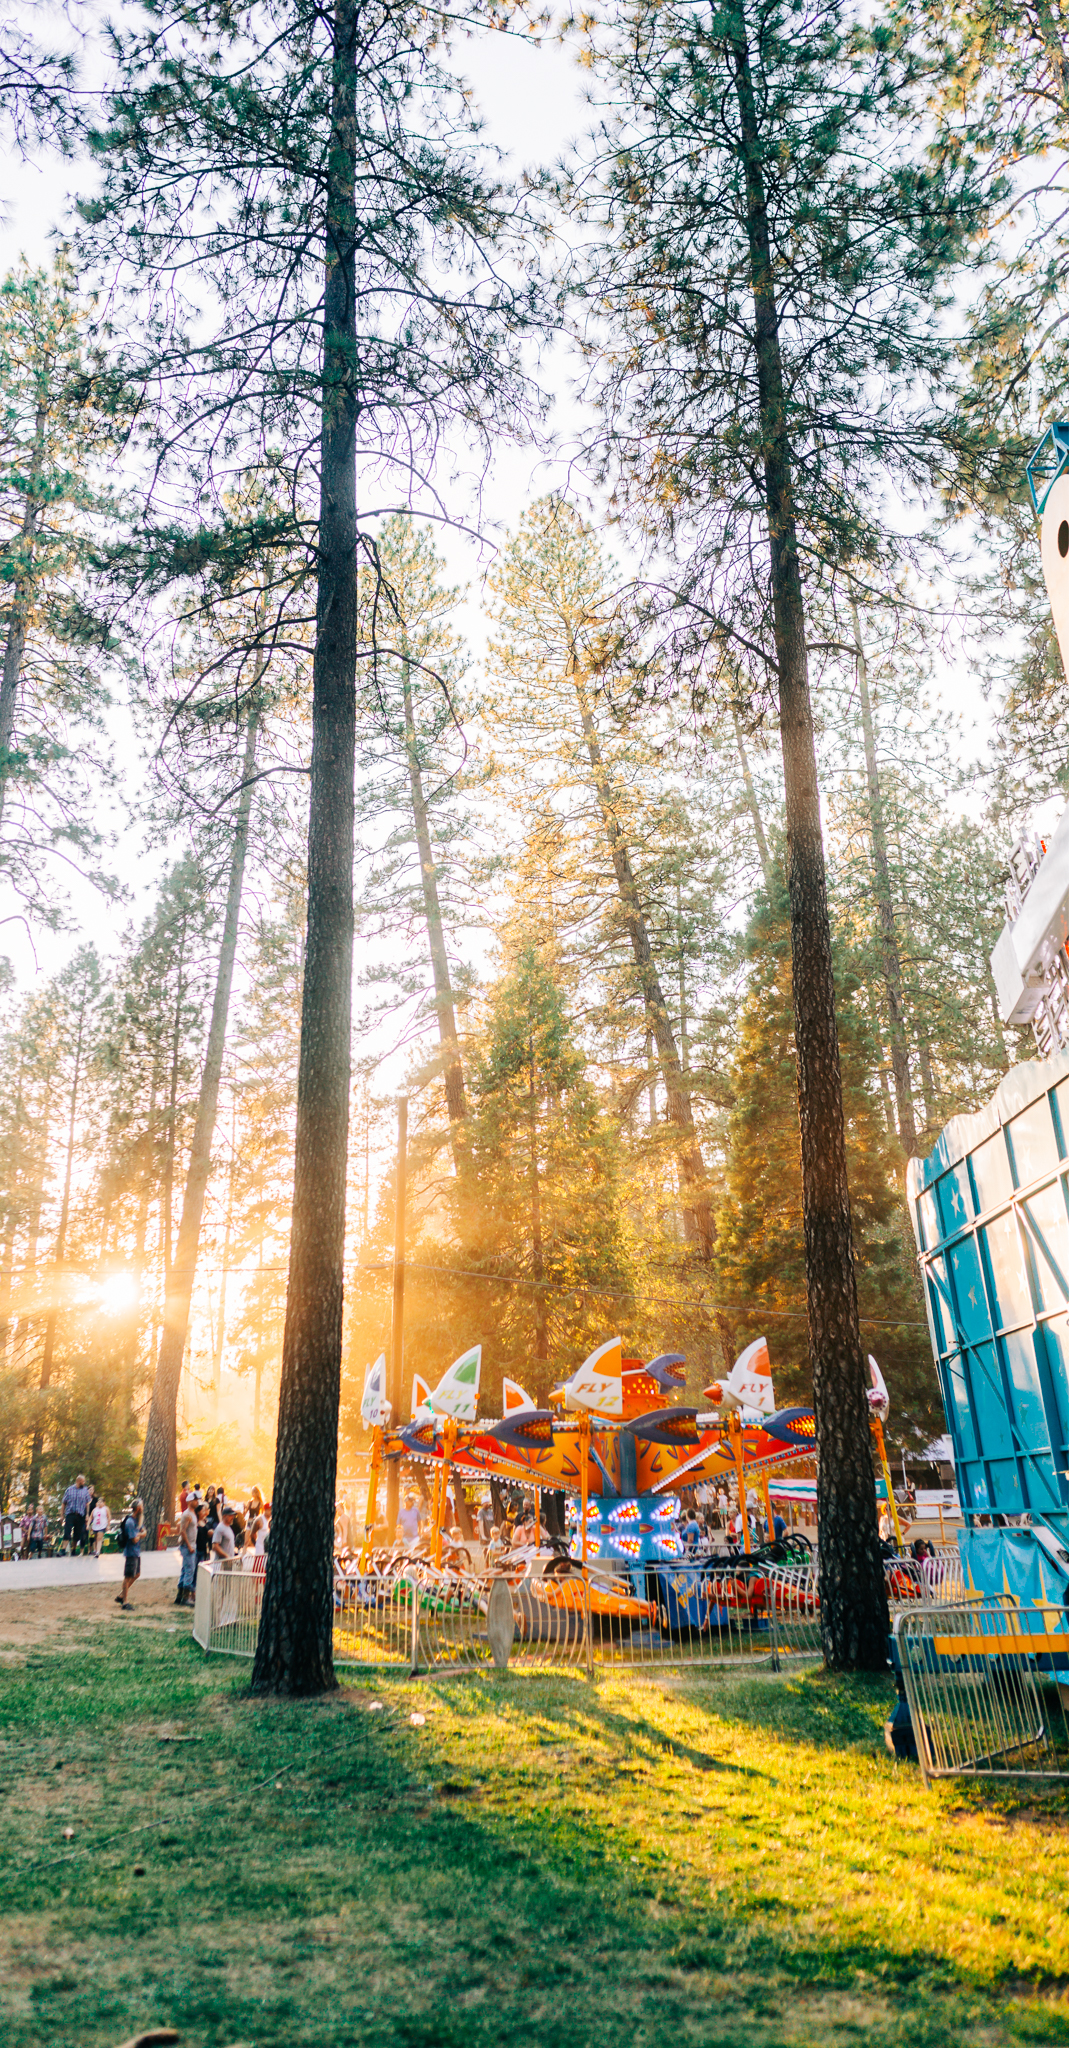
column 990, row 1208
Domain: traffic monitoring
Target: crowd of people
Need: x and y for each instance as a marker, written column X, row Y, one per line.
column 86, row 1522
column 209, row 1525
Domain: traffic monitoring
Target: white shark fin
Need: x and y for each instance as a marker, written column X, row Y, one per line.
column 597, row 1385
column 457, row 1393
column 514, row 1397
column 374, row 1399
column 749, row 1383
column 878, row 1397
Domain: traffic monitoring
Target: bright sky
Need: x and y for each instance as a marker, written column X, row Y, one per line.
column 531, row 99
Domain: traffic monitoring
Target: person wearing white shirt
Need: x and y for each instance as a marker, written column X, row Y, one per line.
column 99, row 1524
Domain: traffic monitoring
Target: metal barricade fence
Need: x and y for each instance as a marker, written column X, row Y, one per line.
column 986, row 1683
column 467, row 1621
column 408, row 1613
column 684, row 1616
column 226, row 1609
column 374, row 1615
column 794, row 1608
column 926, row 1582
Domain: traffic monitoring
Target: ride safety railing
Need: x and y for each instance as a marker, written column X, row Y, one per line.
column 409, row 1613
column 987, row 1685
column 535, row 1614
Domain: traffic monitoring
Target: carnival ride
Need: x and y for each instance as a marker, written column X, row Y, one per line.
column 617, row 1439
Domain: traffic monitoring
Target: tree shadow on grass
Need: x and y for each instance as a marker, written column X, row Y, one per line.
column 759, row 1938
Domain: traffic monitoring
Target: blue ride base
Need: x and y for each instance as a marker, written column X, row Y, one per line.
column 637, row 1536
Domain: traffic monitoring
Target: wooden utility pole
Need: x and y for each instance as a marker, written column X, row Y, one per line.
column 397, row 1340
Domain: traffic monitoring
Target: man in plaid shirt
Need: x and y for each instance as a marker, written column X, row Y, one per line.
column 75, row 1506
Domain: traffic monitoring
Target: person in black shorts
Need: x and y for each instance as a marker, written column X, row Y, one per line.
column 131, row 1534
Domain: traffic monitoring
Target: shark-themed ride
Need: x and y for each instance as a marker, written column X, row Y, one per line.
column 618, row 1439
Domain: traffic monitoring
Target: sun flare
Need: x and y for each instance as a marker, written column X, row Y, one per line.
column 117, row 1294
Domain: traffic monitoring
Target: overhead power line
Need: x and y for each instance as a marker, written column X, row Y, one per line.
column 643, row 1300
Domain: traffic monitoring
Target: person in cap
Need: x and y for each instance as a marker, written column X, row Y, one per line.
column 131, row 1537
column 223, row 1540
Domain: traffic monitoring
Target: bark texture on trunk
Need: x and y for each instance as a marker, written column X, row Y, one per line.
column 398, row 1408
column 294, row 1648
column 159, row 1459
column 694, row 1190
column 456, row 1104
column 538, row 1261
column 853, row 1600
column 885, row 911
column 19, row 615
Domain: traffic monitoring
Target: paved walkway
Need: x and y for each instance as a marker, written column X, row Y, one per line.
column 22, row 1575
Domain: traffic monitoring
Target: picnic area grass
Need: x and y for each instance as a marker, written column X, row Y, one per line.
column 713, row 1860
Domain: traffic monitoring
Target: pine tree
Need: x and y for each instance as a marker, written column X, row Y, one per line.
column 548, row 1179
column 414, row 775
column 557, row 621
column 55, row 430
column 768, row 259
column 344, row 258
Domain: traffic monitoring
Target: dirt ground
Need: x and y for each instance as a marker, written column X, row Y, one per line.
column 30, row 1618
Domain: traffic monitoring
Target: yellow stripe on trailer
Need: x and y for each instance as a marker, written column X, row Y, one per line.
column 1000, row 1646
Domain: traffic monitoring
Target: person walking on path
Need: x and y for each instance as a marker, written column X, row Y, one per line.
column 75, row 1505
column 187, row 1551
column 99, row 1524
column 38, row 1533
column 131, row 1535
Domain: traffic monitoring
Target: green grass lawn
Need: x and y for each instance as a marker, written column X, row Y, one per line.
column 542, row 1861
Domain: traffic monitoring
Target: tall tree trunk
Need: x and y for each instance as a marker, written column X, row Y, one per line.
column 39, row 1165
column 694, row 1193
column 853, row 1600
column 294, row 1646
column 22, row 598
column 929, row 1091
column 11, row 1221
column 538, row 1263
column 146, row 1146
column 885, row 910
column 33, row 1488
column 158, row 1481
column 443, row 986
column 752, row 804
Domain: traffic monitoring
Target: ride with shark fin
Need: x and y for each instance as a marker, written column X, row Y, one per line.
column 612, row 1435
